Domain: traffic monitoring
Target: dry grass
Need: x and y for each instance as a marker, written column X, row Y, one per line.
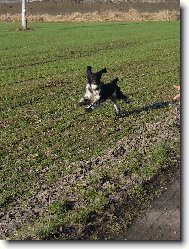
column 132, row 15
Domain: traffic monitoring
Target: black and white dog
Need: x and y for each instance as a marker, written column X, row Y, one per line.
column 97, row 92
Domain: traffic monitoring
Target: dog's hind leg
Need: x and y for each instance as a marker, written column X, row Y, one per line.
column 116, row 106
column 122, row 96
column 127, row 100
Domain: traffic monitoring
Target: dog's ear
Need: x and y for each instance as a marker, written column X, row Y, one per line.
column 89, row 68
column 89, row 74
column 100, row 73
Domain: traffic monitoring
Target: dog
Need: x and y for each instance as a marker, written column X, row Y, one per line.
column 98, row 92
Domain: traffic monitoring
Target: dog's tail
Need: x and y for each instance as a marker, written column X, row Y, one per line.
column 114, row 81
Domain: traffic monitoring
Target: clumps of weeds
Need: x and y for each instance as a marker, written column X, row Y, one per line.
column 24, row 30
column 60, row 207
column 84, row 216
column 99, row 16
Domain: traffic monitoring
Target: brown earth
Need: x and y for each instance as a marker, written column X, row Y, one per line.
column 58, row 8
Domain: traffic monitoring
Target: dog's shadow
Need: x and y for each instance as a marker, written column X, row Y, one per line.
column 146, row 108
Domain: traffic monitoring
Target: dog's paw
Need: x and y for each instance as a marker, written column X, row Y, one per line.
column 88, row 109
column 81, row 103
column 117, row 116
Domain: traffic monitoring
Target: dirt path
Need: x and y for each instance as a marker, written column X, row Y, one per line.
column 59, row 7
column 161, row 221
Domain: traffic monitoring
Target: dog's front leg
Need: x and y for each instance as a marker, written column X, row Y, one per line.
column 94, row 105
column 84, row 101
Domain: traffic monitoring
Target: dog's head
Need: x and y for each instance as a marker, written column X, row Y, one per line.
column 94, row 78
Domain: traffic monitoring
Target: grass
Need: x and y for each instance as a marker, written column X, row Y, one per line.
column 45, row 135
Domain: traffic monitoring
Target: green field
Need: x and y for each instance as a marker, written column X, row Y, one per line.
column 58, row 163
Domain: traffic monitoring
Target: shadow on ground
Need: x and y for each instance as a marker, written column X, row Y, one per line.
column 146, row 108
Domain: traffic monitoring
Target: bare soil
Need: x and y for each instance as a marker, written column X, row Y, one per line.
column 57, row 8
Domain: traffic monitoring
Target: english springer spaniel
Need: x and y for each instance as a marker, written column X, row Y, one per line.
column 97, row 92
